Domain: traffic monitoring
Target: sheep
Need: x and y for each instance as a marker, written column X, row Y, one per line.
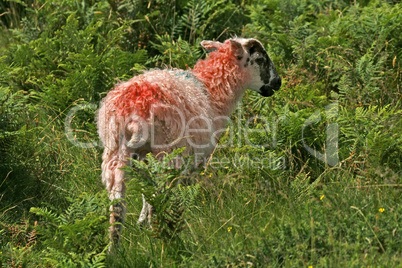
column 164, row 109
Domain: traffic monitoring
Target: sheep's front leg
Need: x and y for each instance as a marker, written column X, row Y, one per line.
column 146, row 212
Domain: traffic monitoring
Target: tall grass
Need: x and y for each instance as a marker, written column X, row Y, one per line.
column 253, row 205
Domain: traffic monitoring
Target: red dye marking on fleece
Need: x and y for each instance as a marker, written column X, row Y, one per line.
column 220, row 71
column 138, row 96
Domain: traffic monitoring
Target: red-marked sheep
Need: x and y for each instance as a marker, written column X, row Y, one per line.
column 161, row 110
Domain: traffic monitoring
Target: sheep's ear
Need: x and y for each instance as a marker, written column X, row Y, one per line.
column 211, row 45
column 254, row 45
column 236, row 48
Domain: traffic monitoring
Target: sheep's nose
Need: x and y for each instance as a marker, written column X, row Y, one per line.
column 276, row 83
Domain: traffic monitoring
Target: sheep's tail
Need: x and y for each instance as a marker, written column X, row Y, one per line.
column 111, row 133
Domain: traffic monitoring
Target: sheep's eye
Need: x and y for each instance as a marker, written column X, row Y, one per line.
column 259, row 61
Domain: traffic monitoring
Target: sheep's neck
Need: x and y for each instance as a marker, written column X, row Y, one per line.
column 223, row 80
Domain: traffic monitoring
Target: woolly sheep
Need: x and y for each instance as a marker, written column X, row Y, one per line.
column 161, row 110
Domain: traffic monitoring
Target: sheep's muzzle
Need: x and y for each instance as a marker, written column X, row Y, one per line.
column 270, row 88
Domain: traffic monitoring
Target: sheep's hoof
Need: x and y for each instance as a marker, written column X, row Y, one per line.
column 114, row 233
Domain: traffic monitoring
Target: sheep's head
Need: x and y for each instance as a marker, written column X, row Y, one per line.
column 254, row 60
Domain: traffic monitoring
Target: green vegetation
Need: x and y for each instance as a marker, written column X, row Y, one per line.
column 253, row 205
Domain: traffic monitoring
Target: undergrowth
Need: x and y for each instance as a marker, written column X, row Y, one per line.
column 265, row 198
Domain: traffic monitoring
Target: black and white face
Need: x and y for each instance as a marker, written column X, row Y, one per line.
column 264, row 77
column 254, row 60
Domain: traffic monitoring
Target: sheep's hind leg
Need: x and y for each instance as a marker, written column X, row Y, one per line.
column 117, row 215
column 115, row 183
